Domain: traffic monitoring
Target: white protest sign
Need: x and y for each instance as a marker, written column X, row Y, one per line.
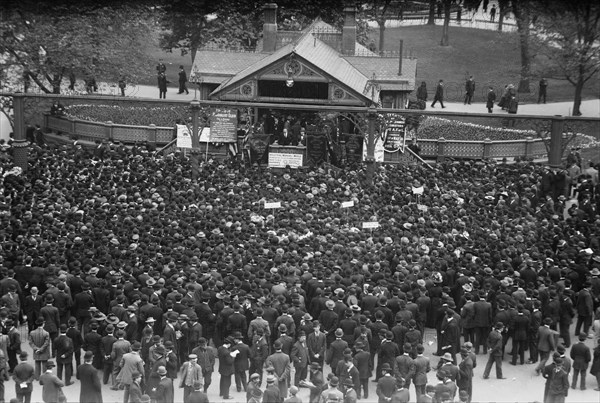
column 418, row 191
column 347, row 204
column 184, row 140
column 370, row 224
column 273, row 205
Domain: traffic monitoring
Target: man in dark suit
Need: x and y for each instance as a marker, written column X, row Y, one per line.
column 91, row 388
column 546, row 344
column 75, row 335
column 317, row 343
column 81, row 306
column 362, row 361
column 51, row 384
column 300, row 358
column 281, row 364
column 386, row 385
column 494, row 343
column 482, row 321
column 422, row 367
column 14, row 344
column 23, row 375
column 335, row 353
column 106, row 345
column 439, row 94
column 581, row 355
column 135, row 389
column 51, row 317
column 388, row 351
column 197, row 396
column 63, row 349
column 520, row 326
column 242, row 361
column 272, row 393
column 226, row 367
column 164, row 391
column 93, row 342
column 236, row 322
column 32, row 305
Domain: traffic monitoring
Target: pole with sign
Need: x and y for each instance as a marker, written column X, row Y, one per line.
column 273, row 206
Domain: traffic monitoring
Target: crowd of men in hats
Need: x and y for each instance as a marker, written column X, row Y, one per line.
column 161, row 280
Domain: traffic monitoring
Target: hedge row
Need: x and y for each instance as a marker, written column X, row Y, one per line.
column 162, row 116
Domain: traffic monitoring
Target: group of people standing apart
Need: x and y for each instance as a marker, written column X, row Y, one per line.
column 161, row 70
column 508, row 99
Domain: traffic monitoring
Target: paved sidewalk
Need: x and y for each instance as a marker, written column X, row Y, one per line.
column 589, row 108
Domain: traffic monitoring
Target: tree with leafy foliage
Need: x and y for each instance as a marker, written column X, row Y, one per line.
column 49, row 40
column 380, row 11
column 235, row 24
column 571, row 31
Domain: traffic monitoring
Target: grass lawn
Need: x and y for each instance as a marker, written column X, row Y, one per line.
column 493, row 58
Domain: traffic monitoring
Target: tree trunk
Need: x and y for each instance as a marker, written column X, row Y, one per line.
column 431, row 19
column 523, row 21
column 500, row 17
column 445, row 38
column 578, row 91
column 381, row 23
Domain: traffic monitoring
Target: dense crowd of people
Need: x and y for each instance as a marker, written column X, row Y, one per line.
column 121, row 258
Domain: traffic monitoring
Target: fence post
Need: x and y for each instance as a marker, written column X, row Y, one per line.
column 441, row 146
column 555, row 154
column 45, row 121
column 109, row 130
column 151, row 133
column 73, row 121
column 487, row 148
column 529, row 147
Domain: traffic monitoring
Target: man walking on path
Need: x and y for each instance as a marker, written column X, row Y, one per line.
column 439, row 94
column 491, row 98
column 182, row 80
column 494, row 342
column 542, row 90
column 469, row 90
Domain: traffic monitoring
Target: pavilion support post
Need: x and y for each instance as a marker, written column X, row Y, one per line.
column 556, row 132
column 20, row 144
column 370, row 160
column 195, row 152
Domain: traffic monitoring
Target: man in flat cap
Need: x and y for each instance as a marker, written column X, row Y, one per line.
column 191, row 374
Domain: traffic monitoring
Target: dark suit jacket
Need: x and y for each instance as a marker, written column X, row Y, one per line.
column 241, row 361
column 164, row 391
column 51, row 386
column 24, row 372
column 386, row 386
column 135, row 393
column 91, row 388
column 362, row 363
column 225, row 361
column 63, row 345
column 545, row 339
column 51, row 317
column 581, row 355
